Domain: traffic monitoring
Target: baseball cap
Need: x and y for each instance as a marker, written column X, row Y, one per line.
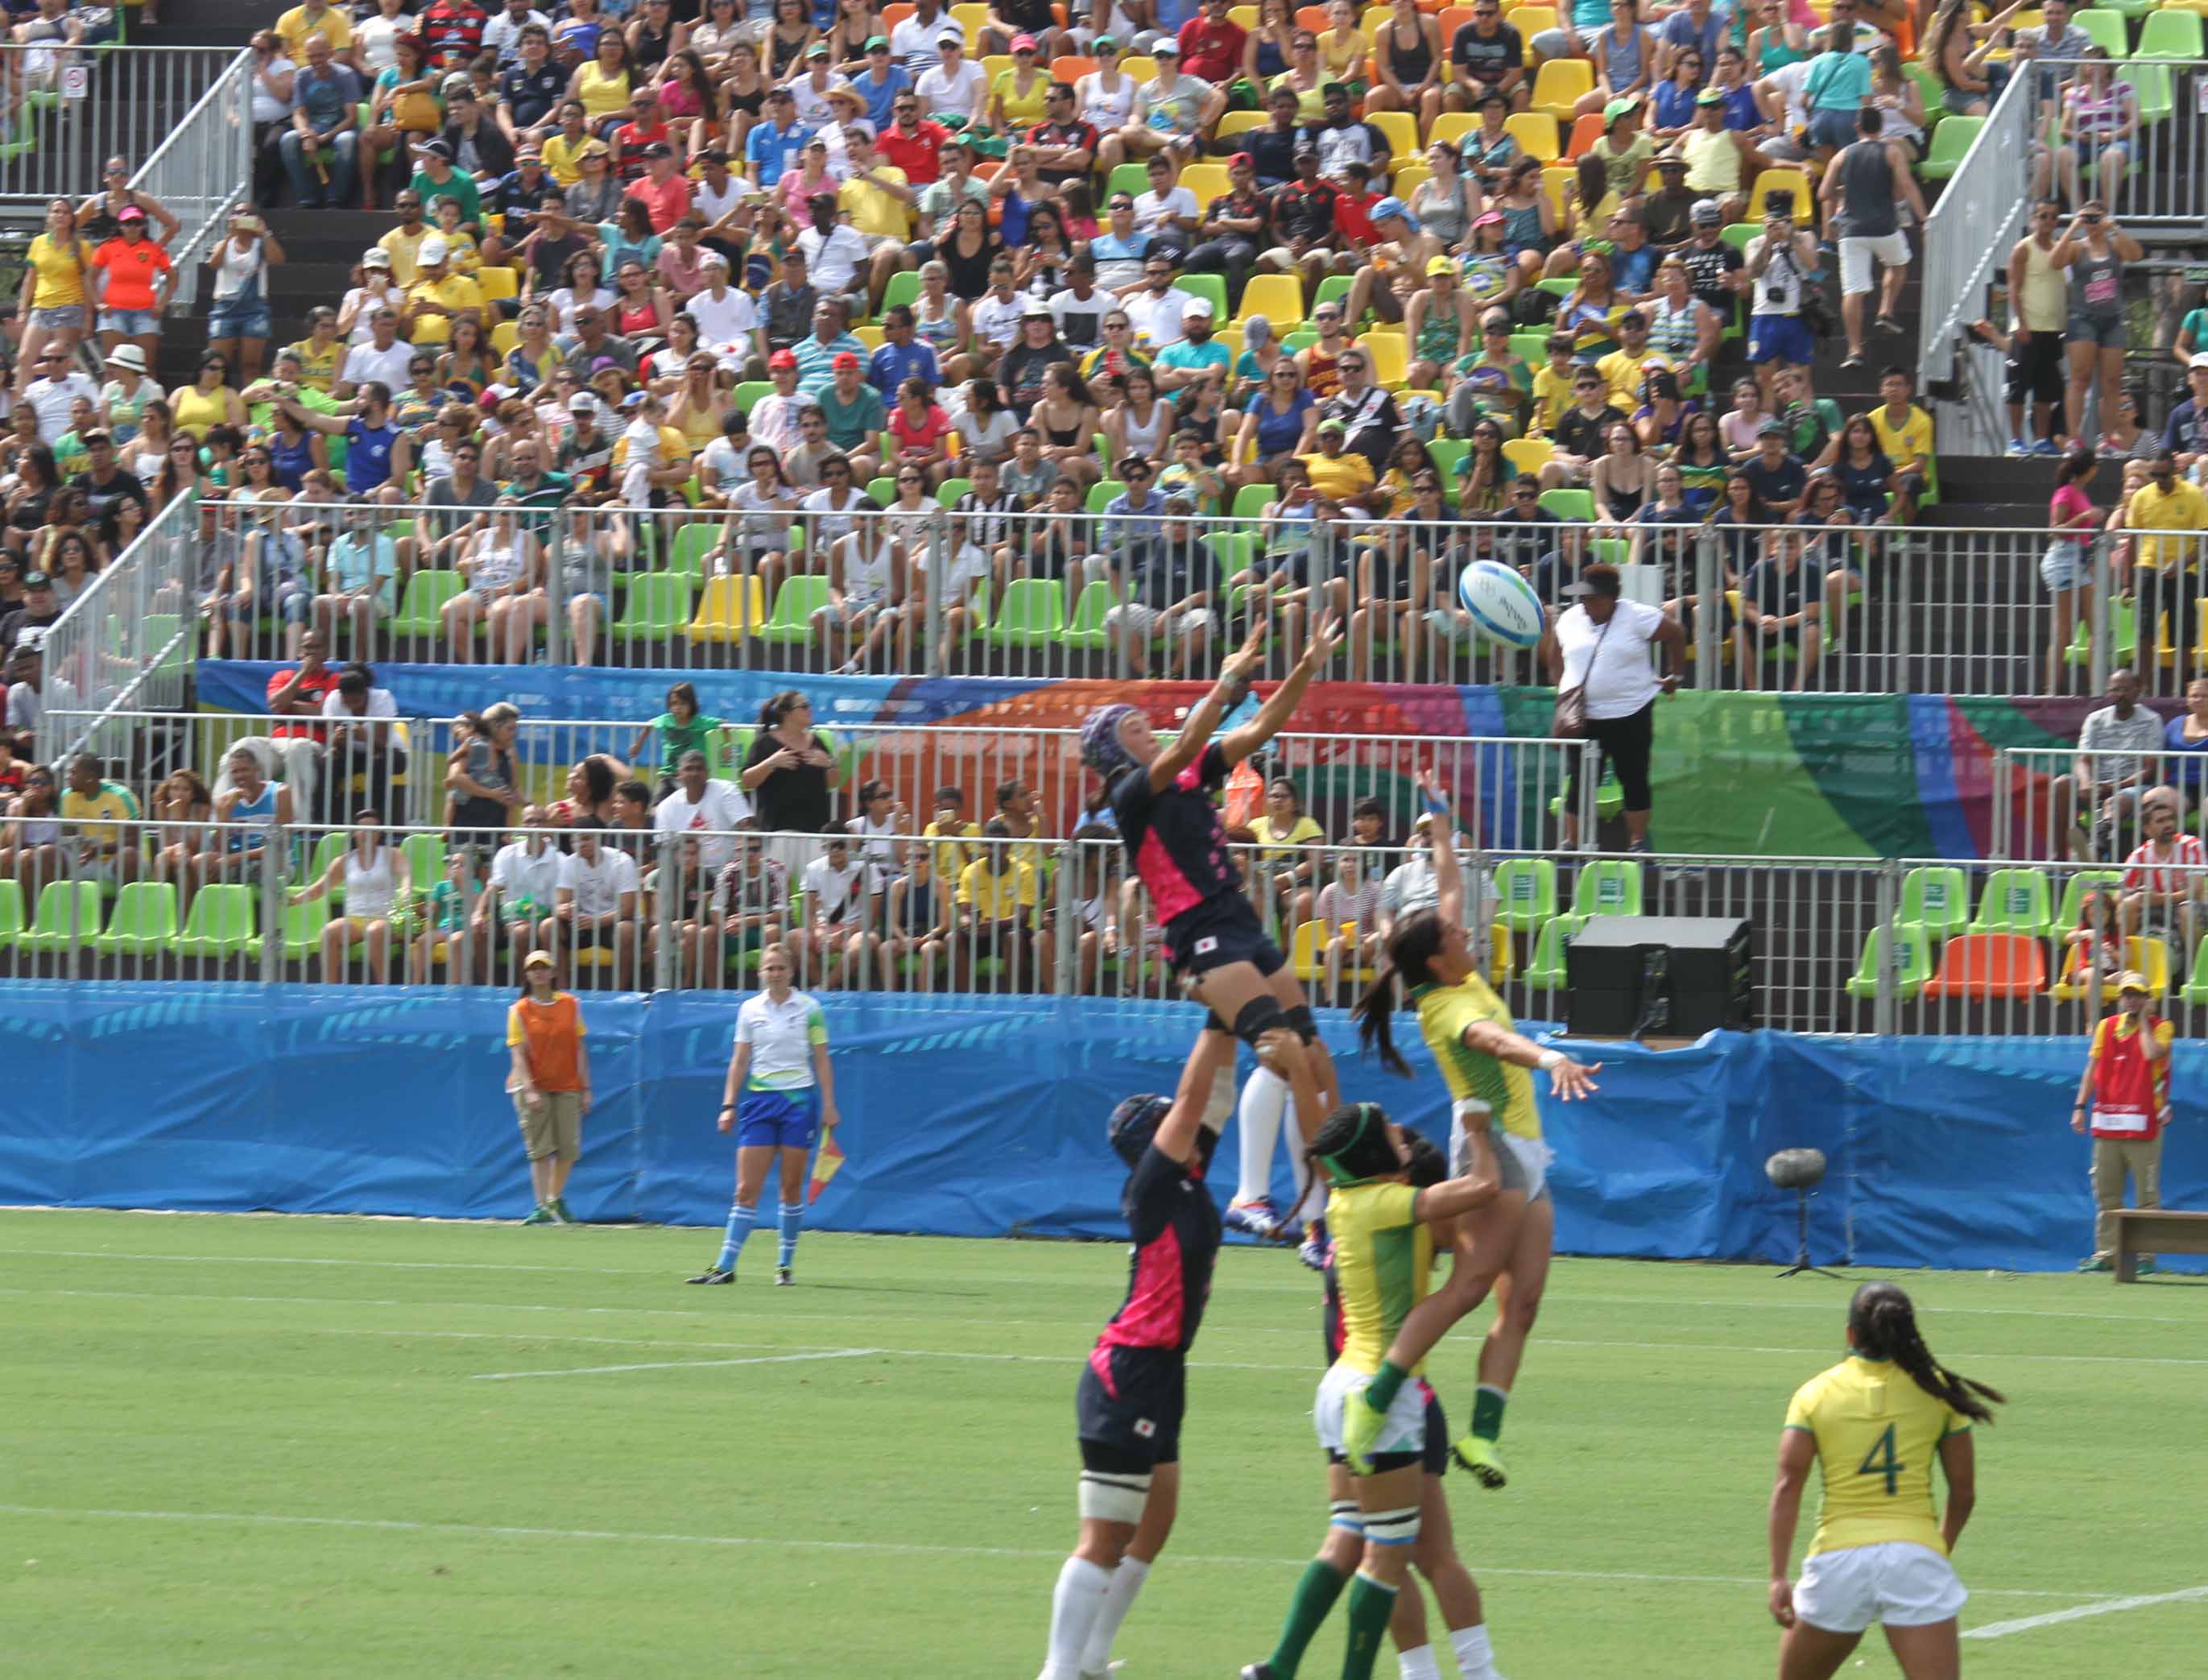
column 1306, row 147
column 1104, row 44
column 433, row 250
column 881, row 41
column 2200, row 361
column 1024, row 44
column 659, row 149
column 1617, row 108
column 37, row 580
column 375, row 257
column 579, row 404
column 437, row 149
column 1393, row 206
column 1200, row 307
column 636, row 399
column 1167, row 48
column 1333, row 425
column 130, row 212
column 1487, row 218
column 1036, row 308
column 1705, row 212
column 818, row 50
column 456, row 80
column 538, row 959
column 1442, row 265
column 1709, row 96
column 711, row 258
column 1241, row 158
column 844, row 358
column 1670, row 161
column 1771, row 429
column 2131, row 981
column 782, row 358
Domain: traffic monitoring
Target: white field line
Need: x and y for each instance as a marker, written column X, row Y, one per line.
column 846, row 1319
column 2105, row 1607
column 1240, row 1285
column 475, row 1531
column 681, row 1364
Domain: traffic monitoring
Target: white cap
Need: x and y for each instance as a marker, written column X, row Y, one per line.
column 433, row 250
column 1198, row 306
column 375, row 257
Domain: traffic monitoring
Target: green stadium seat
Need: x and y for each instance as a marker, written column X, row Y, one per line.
column 1567, row 504
column 327, row 850
column 2195, row 991
column 1607, row 887
column 751, row 390
column 658, row 606
column 1211, row 286
column 1086, row 632
column 143, row 921
column 1912, row 962
column 425, row 862
column 222, row 923
column 1950, row 141
column 427, row 591
column 795, row 602
column 1032, row 615
column 1252, row 499
column 1527, row 888
column 2073, row 897
column 11, row 913
column 952, row 489
column 50, row 934
column 2015, row 901
column 2105, row 26
column 903, row 288
column 1935, row 896
column 2170, row 32
column 1545, row 971
column 302, row 930
column 2123, row 630
column 692, row 545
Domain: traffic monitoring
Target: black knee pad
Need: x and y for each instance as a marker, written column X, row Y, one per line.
column 1212, row 1023
column 1300, row 1021
column 1257, row 1017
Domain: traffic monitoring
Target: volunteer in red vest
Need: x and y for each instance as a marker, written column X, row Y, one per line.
column 2126, row 1094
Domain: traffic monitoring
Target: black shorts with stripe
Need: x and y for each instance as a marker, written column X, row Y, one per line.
column 1128, row 1409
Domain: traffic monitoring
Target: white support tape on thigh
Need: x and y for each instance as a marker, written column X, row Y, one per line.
column 1113, row 1498
column 1344, row 1514
column 1392, row 1527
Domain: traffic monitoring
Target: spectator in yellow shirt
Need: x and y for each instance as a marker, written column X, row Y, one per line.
column 1621, row 369
column 315, row 17
column 877, row 199
column 997, row 899
column 1905, row 430
column 952, row 829
column 2166, row 503
column 1552, row 386
column 97, row 813
column 1339, row 473
column 437, row 293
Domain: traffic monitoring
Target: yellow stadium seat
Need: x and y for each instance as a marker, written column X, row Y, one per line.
column 1536, row 134
column 1231, row 336
column 1528, row 454
column 1794, row 180
column 1401, row 128
column 869, row 336
column 1278, row 298
column 504, row 337
column 1409, row 178
column 1206, row 181
column 1240, row 122
column 994, row 65
column 1247, row 16
column 1529, row 21
column 1453, row 126
column 1499, row 964
column 498, row 284
column 732, row 609
column 1557, row 181
column 1390, row 355
column 972, row 19
column 1560, row 84
column 1141, row 69
column 1307, row 951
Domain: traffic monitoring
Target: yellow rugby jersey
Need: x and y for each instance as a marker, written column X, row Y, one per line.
column 1877, row 1434
column 1382, row 1257
column 1473, row 1075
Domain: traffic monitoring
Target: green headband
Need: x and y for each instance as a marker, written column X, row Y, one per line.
column 1335, row 1170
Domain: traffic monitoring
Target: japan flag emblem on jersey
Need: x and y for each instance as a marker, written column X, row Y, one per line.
column 1145, row 1428
column 1206, row 945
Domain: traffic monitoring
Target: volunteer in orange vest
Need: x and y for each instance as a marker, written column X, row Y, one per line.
column 2126, row 1090
column 551, row 1083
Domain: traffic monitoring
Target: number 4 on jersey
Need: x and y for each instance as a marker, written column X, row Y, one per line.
column 1880, row 1461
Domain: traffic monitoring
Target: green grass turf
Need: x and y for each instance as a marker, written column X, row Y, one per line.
column 253, row 1446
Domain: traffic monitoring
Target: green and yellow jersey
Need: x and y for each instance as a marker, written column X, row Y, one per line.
column 1473, row 1075
column 1876, row 1433
column 1382, row 1257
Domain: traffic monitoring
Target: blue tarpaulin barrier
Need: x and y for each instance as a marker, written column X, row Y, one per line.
column 984, row 1117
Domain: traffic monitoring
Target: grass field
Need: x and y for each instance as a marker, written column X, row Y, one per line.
column 291, row 1446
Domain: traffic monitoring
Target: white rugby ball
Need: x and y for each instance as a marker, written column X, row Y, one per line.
column 1503, row 607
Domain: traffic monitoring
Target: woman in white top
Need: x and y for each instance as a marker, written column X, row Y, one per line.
column 375, row 39
column 1599, row 648
column 506, row 590
column 582, row 291
column 780, row 1092
column 868, row 590
column 372, row 289
column 1106, row 97
column 238, row 319
column 371, row 877
column 1139, row 424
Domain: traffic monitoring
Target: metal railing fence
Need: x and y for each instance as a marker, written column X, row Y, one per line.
column 2063, row 802
column 1049, row 595
column 1841, row 945
column 1512, row 791
column 201, row 164
column 65, row 111
column 2141, row 156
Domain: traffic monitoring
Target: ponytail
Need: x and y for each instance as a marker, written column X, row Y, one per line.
column 1885, row 1326
column 1373, row 1013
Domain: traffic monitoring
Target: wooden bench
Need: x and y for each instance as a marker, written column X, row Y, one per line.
column 2155, row 1231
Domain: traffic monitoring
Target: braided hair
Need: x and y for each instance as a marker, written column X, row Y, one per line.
column 1884, row 1325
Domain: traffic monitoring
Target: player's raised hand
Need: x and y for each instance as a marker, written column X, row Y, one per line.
column 1242, row 664
column 1325, row 638
column 1569, row 1080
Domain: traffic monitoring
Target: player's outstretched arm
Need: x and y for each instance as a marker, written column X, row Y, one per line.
column 1214, row 1054
column 1568, row 1079
column 1281, row 704
column 1448, row 874
column 1226, row 693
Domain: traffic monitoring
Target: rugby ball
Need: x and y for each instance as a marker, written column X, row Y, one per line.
column 1502, row 604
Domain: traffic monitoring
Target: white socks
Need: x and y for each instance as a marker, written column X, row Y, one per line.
column 1420, row 1664
column 1127, row 1581
column 1474, row 1655
column 1074, row 1606
column 1264, row 1108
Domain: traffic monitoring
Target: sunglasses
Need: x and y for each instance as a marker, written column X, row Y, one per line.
column 1134, row 473
column 836, row 472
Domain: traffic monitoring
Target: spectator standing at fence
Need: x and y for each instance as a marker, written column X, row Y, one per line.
column 2066, row 568
column 790, row 775
column 2165, row 569
column 1601, row 647
column 2094, row 250
column 2114, row 767
column 2124, row 1094
column 549, row 1080
column 361, row 744
column 703, row 806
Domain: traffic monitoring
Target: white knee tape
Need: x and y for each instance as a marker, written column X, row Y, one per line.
column 1108, row 1498
column 1344, row 1514
column 1392, row 1527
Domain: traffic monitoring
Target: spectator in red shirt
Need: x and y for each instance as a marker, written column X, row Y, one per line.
column 912, row 142
column 664, row 189
column 1211, row 45
column 453, row 30
column 299, row 693
column 1353, row 209
column 646, row 127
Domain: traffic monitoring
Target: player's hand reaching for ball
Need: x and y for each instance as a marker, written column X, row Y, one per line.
column 1242, row 664
column 1570, row 1081
column 1325, row 638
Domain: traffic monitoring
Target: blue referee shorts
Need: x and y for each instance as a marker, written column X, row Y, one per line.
column 778, row 1120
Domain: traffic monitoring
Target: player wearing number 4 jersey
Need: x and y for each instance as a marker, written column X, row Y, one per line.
column 1873, row 1425
column 1485, row 1064
column 1129, row 1403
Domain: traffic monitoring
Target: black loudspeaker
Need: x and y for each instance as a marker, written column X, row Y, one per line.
column 1676, row 975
